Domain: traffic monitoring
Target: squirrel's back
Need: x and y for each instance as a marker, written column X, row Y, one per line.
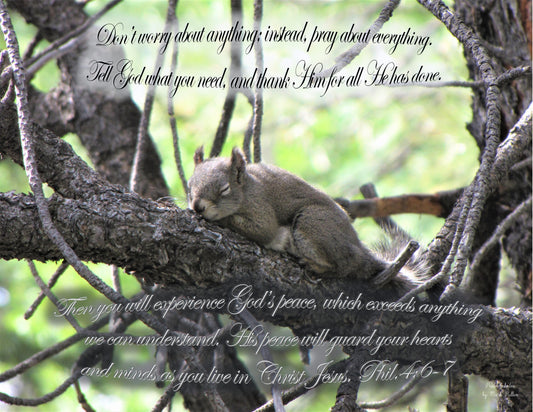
column 286, row 192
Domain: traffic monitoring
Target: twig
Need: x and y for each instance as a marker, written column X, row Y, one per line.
column 451, row 83
column 249, row 129
column 43, row 399
column 115, row 275
column 522, row 163
column 53, row 279
column 81, row 398
column 443, row 273
column 33, row 44
column 303, row 387
column 170, row 104
column 4, row 58
column 65, row 43
column 147, row 109
column 501, row 80
column 258, row 94
column 6, row 72
column 512, row 74
column 513, row 147
column 50, row 351
column 30, row 163
column 457, row 392
column 392, row 270
column 52, row 54
column 258, row 330
column 52, row 297
column 395, row 397
column 346, row 58
column 115, row 319
column 437, row 204
column 231, row 96
column 191, row 324
column 497, row 234
column 167, row 396
column 9, row 96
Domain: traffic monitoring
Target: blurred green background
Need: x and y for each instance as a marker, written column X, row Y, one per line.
column 403, row 139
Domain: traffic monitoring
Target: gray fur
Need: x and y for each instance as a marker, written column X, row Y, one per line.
column 279, row 210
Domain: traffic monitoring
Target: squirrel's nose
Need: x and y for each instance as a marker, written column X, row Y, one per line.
column 198, row 206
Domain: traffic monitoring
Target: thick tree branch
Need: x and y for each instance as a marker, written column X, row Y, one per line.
column 171, row 247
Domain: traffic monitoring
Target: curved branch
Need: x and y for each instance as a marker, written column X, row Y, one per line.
column 43, row 399
column 346, row 58
column 439, row 204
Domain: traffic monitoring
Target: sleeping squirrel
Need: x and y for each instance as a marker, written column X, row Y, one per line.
column 282, row 212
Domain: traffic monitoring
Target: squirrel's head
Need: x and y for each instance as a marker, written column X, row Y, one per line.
column 216, row 186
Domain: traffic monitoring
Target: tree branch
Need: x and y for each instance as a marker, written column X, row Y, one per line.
column 439, row 204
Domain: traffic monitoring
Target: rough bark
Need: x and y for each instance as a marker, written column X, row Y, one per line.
column 504, row 28
column 171, row 247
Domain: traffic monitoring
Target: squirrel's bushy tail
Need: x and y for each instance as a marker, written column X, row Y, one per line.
column 414, row 272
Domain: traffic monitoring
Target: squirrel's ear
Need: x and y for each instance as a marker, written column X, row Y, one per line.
column 199, row 155
column 238, row 163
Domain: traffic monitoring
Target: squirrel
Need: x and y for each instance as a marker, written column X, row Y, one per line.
column 281, row 211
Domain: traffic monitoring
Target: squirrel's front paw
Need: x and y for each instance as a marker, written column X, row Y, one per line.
column 315, row 266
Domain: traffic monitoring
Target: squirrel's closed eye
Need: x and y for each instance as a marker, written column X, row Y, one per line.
column 225, row 190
